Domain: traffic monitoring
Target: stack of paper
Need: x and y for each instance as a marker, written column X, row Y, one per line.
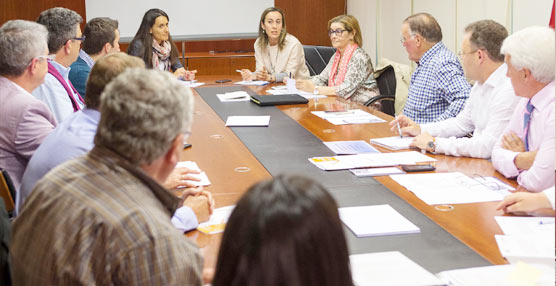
column 193, row 166
column 344, row 162
column 394, row 142
column 252, row 82
column 234, row 96
column 519, row 274
column 529, row 239
column 350, row 147
column 248, row 121
column 191, row 83
column 448, row 188
column 291, row 88
column 217, row 221
column 389, row 268
column 376, row 221
column 353, row 116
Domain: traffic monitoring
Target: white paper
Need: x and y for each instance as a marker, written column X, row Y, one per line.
column 516, row 225
column 394, row 142
column 372, row 172
column 254, row 82
column 389, row 268
column 448, row 188
column 202, row 176
column 376, row 220
column 350, row 147
column 342, row 162
column 219, row 216
column 527, row 248
column 234, row 96
column 192, row 83
column 248, row 121
column 493, row 275
column 352, row 116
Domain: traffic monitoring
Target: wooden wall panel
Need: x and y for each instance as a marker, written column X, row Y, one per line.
column 307, row 20
column 30, row 9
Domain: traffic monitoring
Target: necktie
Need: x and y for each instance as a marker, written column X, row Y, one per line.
column 527, row 122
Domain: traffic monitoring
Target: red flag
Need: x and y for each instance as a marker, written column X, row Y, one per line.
column 551, row 23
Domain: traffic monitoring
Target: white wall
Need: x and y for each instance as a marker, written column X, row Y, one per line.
column 381, row 20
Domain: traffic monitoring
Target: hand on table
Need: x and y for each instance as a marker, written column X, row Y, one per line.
column 262, row 75
column 189, row 75
column 201, row 202
column 305, row 85
column 422, row 141
column 407, row 126
column 246, row 75
column 179, row 73
column 180, row 178
column 524, row 202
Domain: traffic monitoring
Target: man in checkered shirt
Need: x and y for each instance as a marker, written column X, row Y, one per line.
column 438, row 88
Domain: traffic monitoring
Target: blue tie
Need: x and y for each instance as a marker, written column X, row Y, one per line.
column 527, row 122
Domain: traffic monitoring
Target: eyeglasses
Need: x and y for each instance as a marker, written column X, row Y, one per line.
column 403, row 40
column 46, row 57
column 82, row 38
column 337, row 32
column 461, row 53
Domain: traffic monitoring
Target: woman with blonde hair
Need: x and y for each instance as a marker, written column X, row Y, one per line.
column 349, row 73
column 278, row 54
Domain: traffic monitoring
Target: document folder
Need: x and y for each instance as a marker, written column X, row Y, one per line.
column 280, row 99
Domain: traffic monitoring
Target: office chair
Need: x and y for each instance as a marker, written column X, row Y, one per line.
column 317, row 57
column 7, row 190
column 386, row 82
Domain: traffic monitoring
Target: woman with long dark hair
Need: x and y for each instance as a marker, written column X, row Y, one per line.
column 155, row 46
column 284, row 231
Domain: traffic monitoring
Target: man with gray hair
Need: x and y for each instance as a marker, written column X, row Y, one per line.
column 438, row 89
column 491, row 102
column 101, row 38
column 24, row 120
column 64, row 42
column 526, row 148
column 105, row 218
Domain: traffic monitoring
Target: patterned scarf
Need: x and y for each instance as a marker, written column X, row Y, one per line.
column 335, row 79
column 161, row 55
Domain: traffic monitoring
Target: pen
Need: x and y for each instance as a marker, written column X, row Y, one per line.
column 546, row 222
column 239, row 71
column 399, row 129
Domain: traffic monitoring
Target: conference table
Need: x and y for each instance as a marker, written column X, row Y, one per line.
column 454, row 236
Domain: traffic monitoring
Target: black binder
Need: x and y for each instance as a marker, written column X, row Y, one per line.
column 279, row 99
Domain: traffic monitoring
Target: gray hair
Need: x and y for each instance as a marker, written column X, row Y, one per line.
column 20, row 42
column 488, row 35
column 142, row 112
column 532, row 48
column 60, row 23
column 425, row 25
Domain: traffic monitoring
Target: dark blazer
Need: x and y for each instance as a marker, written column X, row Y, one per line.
column 79, row 74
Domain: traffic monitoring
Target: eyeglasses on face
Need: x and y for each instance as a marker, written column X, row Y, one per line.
column 46, row 57
column 337, row 32
column 461, row 53
column 82, row 38
column 403, row 40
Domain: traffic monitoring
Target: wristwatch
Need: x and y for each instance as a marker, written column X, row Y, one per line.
column 432, row 145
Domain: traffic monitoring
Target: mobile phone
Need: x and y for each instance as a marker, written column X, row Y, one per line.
column 223, row 80
column 418, row 168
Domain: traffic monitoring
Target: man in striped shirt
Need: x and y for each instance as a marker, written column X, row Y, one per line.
column 104, row 218
column 438, row 89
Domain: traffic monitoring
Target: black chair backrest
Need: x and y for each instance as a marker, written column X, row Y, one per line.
column 317, row 57
column 387, row 81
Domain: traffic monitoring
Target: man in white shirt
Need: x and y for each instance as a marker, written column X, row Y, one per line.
column 490, row 105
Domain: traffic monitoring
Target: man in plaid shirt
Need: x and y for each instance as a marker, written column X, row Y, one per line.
column 438, row 88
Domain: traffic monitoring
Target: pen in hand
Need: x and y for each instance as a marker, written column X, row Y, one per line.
column 399, row 129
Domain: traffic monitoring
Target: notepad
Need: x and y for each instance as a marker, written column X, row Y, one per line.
column 202, row 176
column 394, row 142
column 389, row 268
column 234, row 96
column 376, row 220
column 519, row 274
column 527, row 248
column 248, row 121
column 343, row 162
column 350, row 147
column 516, row 225
column 352, row 116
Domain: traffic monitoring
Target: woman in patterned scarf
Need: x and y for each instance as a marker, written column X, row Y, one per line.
column 155, row 46
column 349, row 73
